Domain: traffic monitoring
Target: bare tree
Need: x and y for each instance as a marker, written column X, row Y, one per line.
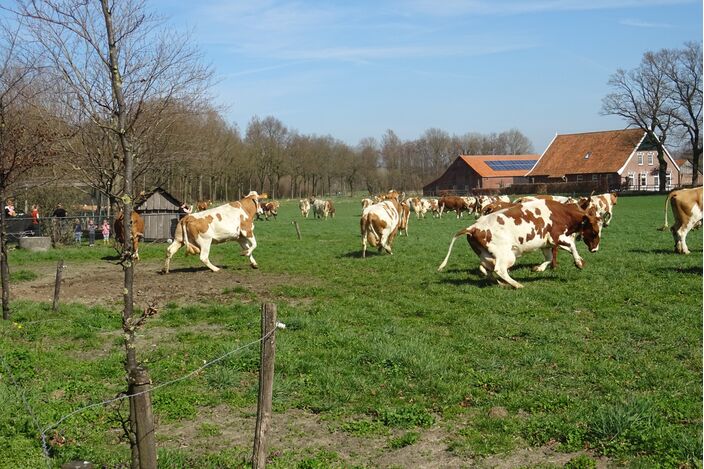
column 111, row 60
column 683, row 67
column 27, row 135
column 643, row 97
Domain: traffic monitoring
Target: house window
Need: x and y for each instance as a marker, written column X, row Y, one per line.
column 579, row 178
column 656, row 181
column 651, row 159
column 640, row 159
column 586, row 157
column 631, row 179
column 643, row 180
column 595, row 178
column 668, row 180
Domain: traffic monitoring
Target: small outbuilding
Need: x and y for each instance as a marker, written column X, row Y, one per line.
column 161, row 212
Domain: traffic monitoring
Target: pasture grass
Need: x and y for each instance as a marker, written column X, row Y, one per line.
column 607, row 359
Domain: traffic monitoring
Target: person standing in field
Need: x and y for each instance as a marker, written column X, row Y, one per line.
column 91, row 232
column 77, row 231
column 106, row 231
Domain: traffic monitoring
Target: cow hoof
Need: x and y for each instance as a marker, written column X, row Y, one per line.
column 254, row 266
column 580, row 264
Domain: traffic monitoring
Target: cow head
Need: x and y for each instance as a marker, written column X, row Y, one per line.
column 590, row 229
column 254, row 197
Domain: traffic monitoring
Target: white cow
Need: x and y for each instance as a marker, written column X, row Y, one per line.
column 304, row 207
column 233, row 221
column 380, row 223
column 320, row 208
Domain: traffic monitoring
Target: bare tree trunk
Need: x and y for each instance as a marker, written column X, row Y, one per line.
column 4, row 267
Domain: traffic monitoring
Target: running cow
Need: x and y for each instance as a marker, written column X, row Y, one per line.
column 687, row 209
column 380, row 223
column 216, row 225
column 499, row 238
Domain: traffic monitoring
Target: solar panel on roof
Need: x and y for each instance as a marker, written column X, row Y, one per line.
column 511, row 165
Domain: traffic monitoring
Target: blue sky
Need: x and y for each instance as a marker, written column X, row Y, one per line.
column 353, row 69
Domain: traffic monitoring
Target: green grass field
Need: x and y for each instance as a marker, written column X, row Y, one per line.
column 607, row 359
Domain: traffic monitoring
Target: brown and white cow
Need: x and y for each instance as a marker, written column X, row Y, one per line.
column 331, row 208
column 304, row 207
column 198, row 231
column 405, row 214
column 269, row 209
column 499, row 238
column 136, row 228
column 687, row 208
column 483, row 200
column 557, row 198
column 604, row 205
column 452, row 202
column 380, row 223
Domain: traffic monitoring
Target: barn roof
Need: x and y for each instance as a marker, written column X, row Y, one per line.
column 488, row 166
column 157, row 199
column 588, row 153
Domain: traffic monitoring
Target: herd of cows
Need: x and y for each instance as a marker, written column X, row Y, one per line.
column 502, row 232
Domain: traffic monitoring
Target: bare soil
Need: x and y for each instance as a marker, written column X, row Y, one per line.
column 294, row 430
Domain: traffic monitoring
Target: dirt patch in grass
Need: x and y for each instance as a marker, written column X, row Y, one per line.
column 296, row 434
column 100, row 284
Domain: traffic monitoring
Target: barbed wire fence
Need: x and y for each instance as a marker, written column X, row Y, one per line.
column 44, row 431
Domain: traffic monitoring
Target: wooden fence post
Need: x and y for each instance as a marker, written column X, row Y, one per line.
column 144, row 433
column 298, row 229
column 266, row 384
column 57, row 285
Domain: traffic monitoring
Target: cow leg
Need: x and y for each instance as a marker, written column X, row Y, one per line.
column 679, row 233
column 170, row 251
column 248, row 246
column 548, row 253
column 567, row 243
column 501, row 269
column 205, row 252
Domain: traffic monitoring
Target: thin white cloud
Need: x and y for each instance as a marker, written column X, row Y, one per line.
column 513, row 7
column 636, row 23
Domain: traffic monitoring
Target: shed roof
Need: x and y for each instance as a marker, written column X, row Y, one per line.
column 157, row 199
column 588, row 153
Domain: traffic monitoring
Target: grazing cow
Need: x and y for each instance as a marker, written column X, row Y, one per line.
column 452, row 202
column 604, row 205
column 304, row 207
column 470, row 202
column 501, row 237
column 687, row 208
column 199, row 230
column 380, row 223
column 203, row 205
column 136, row 227
column 269, row 209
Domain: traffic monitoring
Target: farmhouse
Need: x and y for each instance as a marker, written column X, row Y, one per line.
column 612, row 160
column 160, row 211
column 469, row 172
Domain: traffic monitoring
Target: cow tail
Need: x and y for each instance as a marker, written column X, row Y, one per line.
column 667, row 201
column 463, row 231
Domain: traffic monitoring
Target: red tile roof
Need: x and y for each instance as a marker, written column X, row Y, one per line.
column 479, row 164
column 608, row 152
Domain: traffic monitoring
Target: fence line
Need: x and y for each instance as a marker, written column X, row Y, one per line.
column 162, row 385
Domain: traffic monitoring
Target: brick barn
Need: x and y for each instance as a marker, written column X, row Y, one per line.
column 469, row 172
column 612, row 160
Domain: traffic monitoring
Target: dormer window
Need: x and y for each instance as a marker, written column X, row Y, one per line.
column 586, row 157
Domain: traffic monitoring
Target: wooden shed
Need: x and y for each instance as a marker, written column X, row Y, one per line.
column 161, row 212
